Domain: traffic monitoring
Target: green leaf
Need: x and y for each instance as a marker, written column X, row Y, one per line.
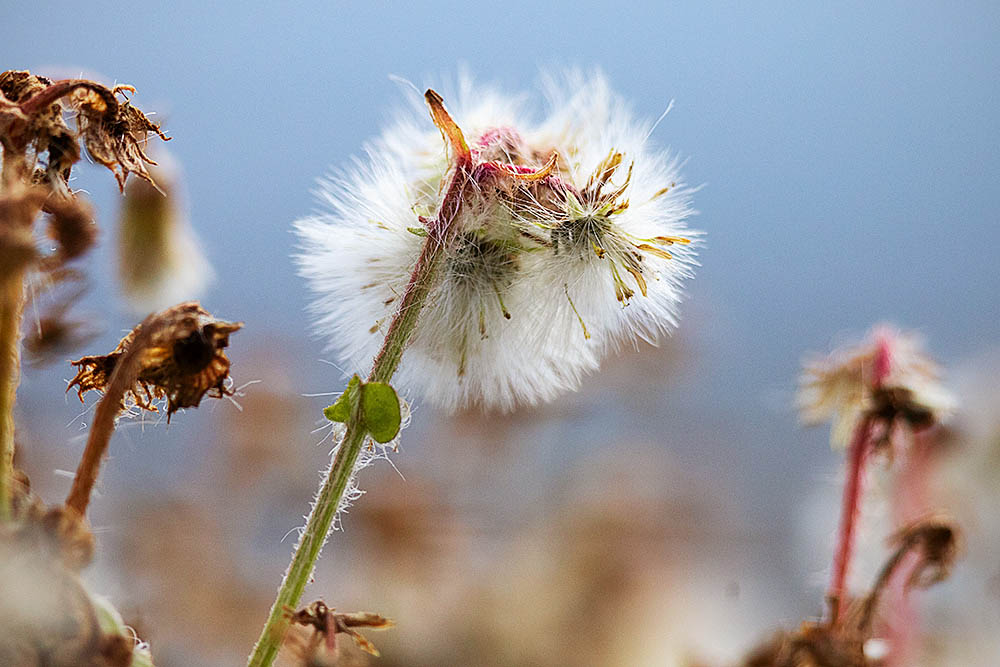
column 380, row 408
column 341, row 410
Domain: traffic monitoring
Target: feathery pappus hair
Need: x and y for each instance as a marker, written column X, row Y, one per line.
column 571, row 242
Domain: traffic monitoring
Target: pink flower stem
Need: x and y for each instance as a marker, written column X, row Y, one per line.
column 857, row 457
column 850, row 511
column 911, row 504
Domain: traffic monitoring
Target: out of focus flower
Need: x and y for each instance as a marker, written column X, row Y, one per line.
column 569, row 239
column 888, row 374
column 47, row 614
column 160, row 261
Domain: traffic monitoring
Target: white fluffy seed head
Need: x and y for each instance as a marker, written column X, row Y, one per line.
column 570, row 241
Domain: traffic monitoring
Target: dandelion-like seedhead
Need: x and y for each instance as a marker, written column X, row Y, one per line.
column 888, row 372
column 569, row 241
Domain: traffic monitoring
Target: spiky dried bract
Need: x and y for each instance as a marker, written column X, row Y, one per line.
column 114, row 134
column 32, row 125
column 842, row 387
column 557, row 247
column 181, row 361
column 321, row 648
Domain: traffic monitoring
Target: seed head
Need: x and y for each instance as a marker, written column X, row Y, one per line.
column 568, row 241
column 888, row 375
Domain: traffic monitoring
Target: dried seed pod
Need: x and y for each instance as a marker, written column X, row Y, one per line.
column 178, row 355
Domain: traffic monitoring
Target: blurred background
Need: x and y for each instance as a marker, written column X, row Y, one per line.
column 673, row 509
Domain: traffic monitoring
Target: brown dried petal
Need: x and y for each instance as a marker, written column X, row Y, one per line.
column 182, row 360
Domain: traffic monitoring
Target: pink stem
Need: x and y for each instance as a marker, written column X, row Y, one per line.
column 851, row 507
column 911, row 503
column 850, row 510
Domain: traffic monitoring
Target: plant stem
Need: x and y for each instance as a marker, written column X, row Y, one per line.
column 11, row 309
column 857, row 455
column 123, row 377
column 324, row 509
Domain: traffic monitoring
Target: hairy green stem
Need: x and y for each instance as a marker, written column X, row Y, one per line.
column 328, row 500
column 324, row 510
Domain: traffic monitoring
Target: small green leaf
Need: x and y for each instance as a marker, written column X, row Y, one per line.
column 417, row 231
column 380, row 407
column 341, row 410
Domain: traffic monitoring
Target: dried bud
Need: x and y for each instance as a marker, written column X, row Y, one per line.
column 159, row 259
column 37, row 123
column 114, row 133
column 177, row 355
column 47, row 615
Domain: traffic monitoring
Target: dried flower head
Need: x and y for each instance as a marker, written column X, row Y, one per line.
column 567, row 240
column 177, row 355
column 32, row 125
column 888, row 376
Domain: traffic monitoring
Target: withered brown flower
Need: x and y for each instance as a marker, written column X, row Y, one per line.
column 114, row 133
column 32, row 117
column 177, row 355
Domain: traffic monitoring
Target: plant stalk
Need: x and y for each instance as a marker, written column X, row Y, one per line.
column 123, row 377
column 440, row 232
column 11, row 310
column 850, row 510
column 857, row 457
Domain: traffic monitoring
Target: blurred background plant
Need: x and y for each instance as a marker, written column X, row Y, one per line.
column 849, row 153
